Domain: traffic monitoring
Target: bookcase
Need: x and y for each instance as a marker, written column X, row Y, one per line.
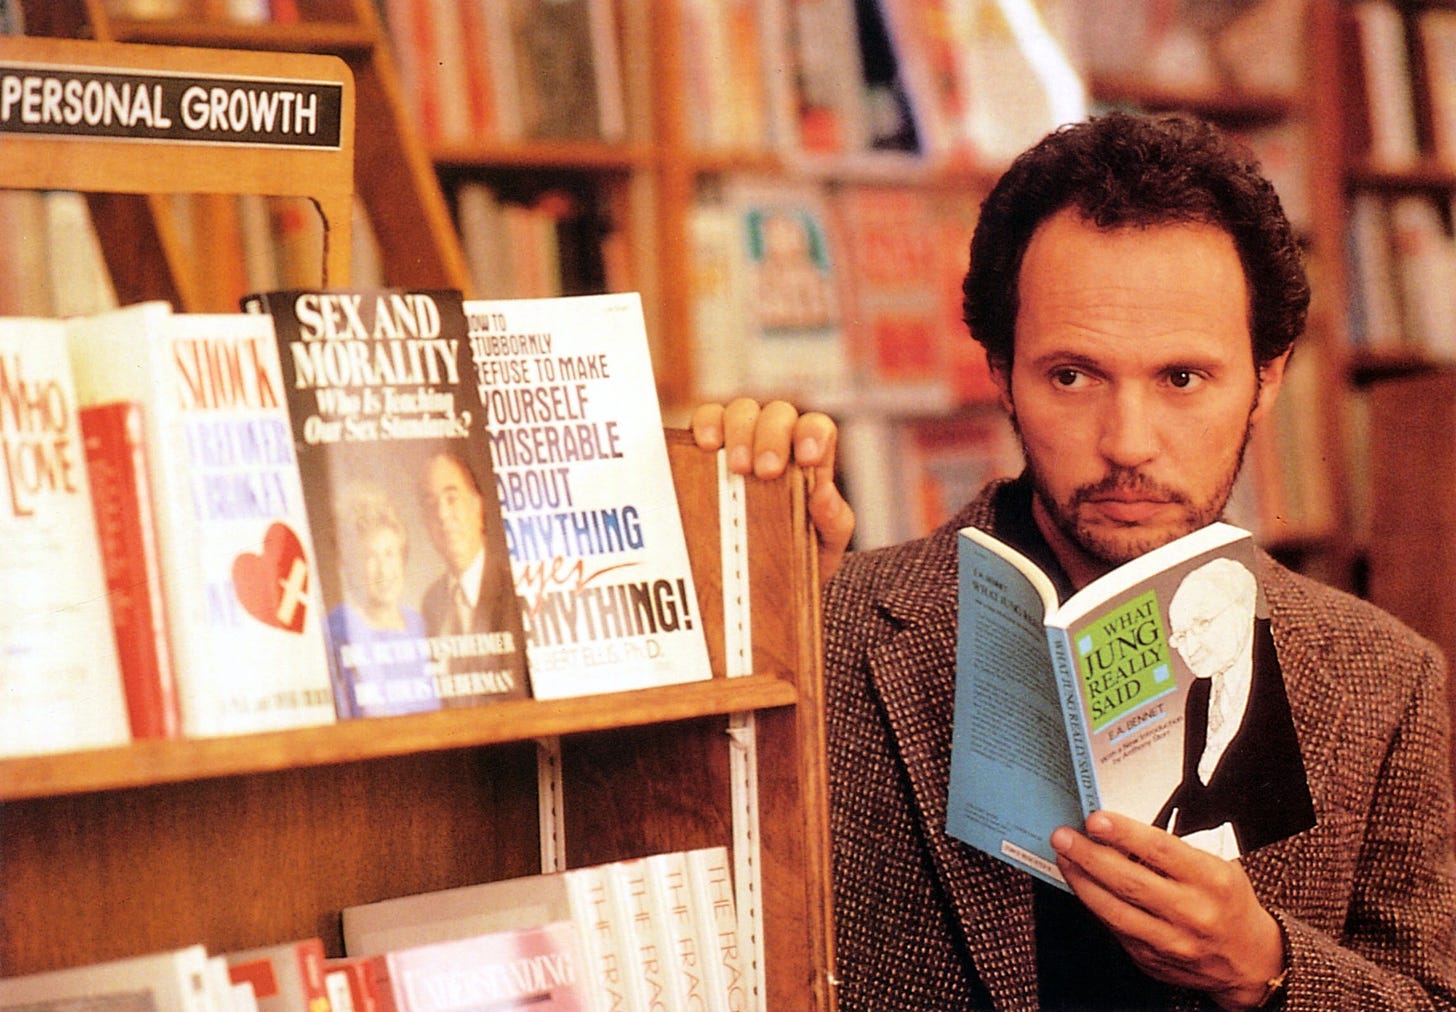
column 645, row 183
column 1388, row 115
column 249, row 840
column 243, row 841
column 1412, row 545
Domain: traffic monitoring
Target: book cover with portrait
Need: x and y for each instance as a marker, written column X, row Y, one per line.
column 387, row 421
column 1155, row 691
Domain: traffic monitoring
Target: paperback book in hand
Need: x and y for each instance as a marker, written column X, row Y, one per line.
column 1155, row 691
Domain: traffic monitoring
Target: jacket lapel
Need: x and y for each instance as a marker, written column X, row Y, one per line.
column 992, row 902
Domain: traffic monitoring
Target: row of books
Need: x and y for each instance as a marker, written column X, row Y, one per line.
column 347, row 504
column 509, row 70
column 1405, row 63
column 253, row 243
column 239, row 11
column 1244, row 47
column 659, row 932
column 941, row 82
column 843, row 297
column 50, row 258
column 819, row 78
column 51, row 262
column 1401, row 260
column 553, row 242
column 653, row 933
column 287, row 977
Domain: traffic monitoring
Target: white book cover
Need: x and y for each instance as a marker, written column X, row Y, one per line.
column 710, row 874
column 172, row 981
column 239, row 570
column 684, row 947
column 647, row 938
column 60, row 685
column 604, row 938
column 590, row 511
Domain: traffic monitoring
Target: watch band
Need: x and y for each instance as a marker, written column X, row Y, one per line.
column 1274, row 987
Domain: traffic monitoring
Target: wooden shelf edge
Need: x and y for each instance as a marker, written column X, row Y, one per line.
column 1215, row 102
column 542, row 154
column 145, row 763
column 340, row 38
column 1427, row 173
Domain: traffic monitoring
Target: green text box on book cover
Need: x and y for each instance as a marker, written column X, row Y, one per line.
column 1123, row 660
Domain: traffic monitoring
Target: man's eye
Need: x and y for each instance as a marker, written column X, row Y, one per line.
column 1183, row 379
column 1066, row 377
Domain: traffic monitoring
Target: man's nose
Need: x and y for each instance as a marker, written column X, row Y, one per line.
column 1128, row 434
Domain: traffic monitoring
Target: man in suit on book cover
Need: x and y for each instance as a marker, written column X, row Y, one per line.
column 471, row 596
column 1243, row 781
column 1138, row 290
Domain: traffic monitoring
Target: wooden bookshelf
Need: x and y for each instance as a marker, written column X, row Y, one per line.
column 392, row 172
column 243, row 841
column 1337, row 82
column 249, row 840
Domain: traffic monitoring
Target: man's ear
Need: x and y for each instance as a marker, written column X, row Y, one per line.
column 1001, row 376
column 1271, row 378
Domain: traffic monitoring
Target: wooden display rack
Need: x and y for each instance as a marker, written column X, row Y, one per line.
column 243, row 841
column 238, row 842
column 54, row 135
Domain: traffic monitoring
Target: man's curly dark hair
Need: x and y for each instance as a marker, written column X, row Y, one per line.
column 1120, row 170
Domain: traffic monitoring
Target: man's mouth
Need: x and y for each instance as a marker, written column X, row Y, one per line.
column 1127, row 507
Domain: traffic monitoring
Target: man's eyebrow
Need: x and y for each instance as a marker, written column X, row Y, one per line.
column 1064, row 357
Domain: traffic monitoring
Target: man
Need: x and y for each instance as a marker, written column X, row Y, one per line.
column 454, row 513
column 1243, row 779
column 475, row 594
column 1138, row 290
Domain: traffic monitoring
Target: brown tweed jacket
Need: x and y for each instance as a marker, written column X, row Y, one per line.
column 1367, row 898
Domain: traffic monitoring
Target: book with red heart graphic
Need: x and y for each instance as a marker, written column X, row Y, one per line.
column 401, row 497
column 239, row 575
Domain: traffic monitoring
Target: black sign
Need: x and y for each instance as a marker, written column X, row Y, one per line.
column 81, row 102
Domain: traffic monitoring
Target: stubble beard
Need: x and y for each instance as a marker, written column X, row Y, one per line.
column 1116, row 550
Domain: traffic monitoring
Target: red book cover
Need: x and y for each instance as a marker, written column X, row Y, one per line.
column 288, row 977
column 479, row 89
column 357, row 974
column 121, row 494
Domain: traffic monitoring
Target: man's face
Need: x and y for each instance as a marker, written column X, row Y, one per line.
column 1211, row 618
column 454, row 512
column 1133, row 386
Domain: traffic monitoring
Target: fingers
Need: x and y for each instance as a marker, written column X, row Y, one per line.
column 763, row 439
column 774, row 439
column 707, row 426
column 833, row 519
column 1185, row 916
column 1105, row 875
column 740, row 422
